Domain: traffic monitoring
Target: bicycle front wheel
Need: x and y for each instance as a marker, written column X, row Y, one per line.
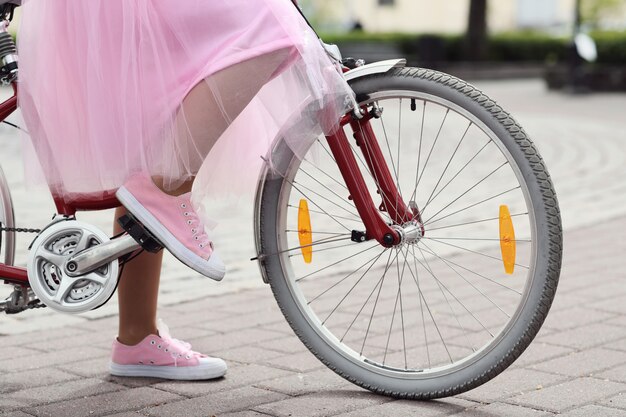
column 434, row 316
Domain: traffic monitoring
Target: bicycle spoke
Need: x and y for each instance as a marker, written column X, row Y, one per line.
column 316, row 205
column 450, row 292
column 350, row 290
column 446, row 167
column 320, row 233
column 398, row 297
column 326, row 199
column 399, row 143
column 334, row 247
column 475, row 239
column 421, row 295
column 474, row 252
column 327, row 151
column 333, row 216
column 419, row 152
column 456, row 175
column 473, row 222
column 336, row 263
column 393, row 165
column 331, row 191
column 430, row 221
column 330, row 239
column 448, row 262
column 382, row 282
column 439, row 285
column 374, row 259
column 365, row 303
column 419, row 290
column 325, row 174
column 467, row 191
column 445, row 116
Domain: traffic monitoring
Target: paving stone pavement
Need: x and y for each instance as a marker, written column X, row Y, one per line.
column 575, row 367
column 55, row 365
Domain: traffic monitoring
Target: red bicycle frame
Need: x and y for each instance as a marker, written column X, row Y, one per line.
column 375, row 225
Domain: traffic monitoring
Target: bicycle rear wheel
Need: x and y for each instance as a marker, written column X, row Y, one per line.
column 443, row 314
column 7, row 219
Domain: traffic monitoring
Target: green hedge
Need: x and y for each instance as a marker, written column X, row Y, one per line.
column 611, row 47
column 509, row 47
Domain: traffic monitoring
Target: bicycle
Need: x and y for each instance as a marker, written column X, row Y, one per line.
column 430, row 293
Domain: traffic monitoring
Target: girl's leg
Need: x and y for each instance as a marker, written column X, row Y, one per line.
column 137, row 293
column 205, row 114
column 211, row 106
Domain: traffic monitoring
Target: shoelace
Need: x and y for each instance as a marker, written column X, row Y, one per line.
column 177, row 349
column 197, row 228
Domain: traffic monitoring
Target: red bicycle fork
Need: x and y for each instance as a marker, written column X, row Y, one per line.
column 375, row 226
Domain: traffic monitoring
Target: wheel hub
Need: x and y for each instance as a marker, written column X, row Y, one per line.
column 410, row 233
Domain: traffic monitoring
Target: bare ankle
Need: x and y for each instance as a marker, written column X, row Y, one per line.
column 184, row 188
column 135, row 336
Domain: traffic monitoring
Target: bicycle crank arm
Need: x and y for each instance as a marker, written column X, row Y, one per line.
column 93, row 258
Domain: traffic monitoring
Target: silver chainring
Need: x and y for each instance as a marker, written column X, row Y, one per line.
column 46, row 268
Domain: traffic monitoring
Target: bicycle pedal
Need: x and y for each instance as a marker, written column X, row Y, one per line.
column 138, row 232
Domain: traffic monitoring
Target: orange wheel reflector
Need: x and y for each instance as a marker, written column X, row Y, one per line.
column 305, row 235
column 507, row 239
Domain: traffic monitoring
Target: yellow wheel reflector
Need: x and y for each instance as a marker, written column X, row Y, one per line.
column 507, row 239
column 305, row 235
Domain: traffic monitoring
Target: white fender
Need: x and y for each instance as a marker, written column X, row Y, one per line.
column 374, row 68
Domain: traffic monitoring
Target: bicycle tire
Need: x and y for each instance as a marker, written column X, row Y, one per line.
column 541, row 286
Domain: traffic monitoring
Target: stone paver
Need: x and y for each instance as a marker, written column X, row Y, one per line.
column 511, row 383
column 618, row 401
column 305, row 383
column 56, row 393
column 595, row 410
column 615, row 373
column 217, row 403
column 29, row 379
column 40, row 360
column 238, row 376
column 501, row 409
column 100, row 405
column 569, row 394
column 406, row 408
column 322, row 404
column 584, row 363
column 55, row 365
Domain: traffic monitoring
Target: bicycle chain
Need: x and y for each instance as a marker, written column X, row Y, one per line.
column 19, row 229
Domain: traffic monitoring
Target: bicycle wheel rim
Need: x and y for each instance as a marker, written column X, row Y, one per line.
column 331, row 338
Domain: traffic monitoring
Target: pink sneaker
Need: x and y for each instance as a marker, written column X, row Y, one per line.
column 173, row 221
column 164, row 357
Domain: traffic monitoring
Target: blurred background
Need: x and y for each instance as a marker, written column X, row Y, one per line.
column 485, row 39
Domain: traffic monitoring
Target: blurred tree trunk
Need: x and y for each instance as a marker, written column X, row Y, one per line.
column 476, row 37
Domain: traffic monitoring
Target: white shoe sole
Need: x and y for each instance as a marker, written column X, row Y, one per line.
column 205, row 370
column 213, row 267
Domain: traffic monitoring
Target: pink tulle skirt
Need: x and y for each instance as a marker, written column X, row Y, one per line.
column 103, row 85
